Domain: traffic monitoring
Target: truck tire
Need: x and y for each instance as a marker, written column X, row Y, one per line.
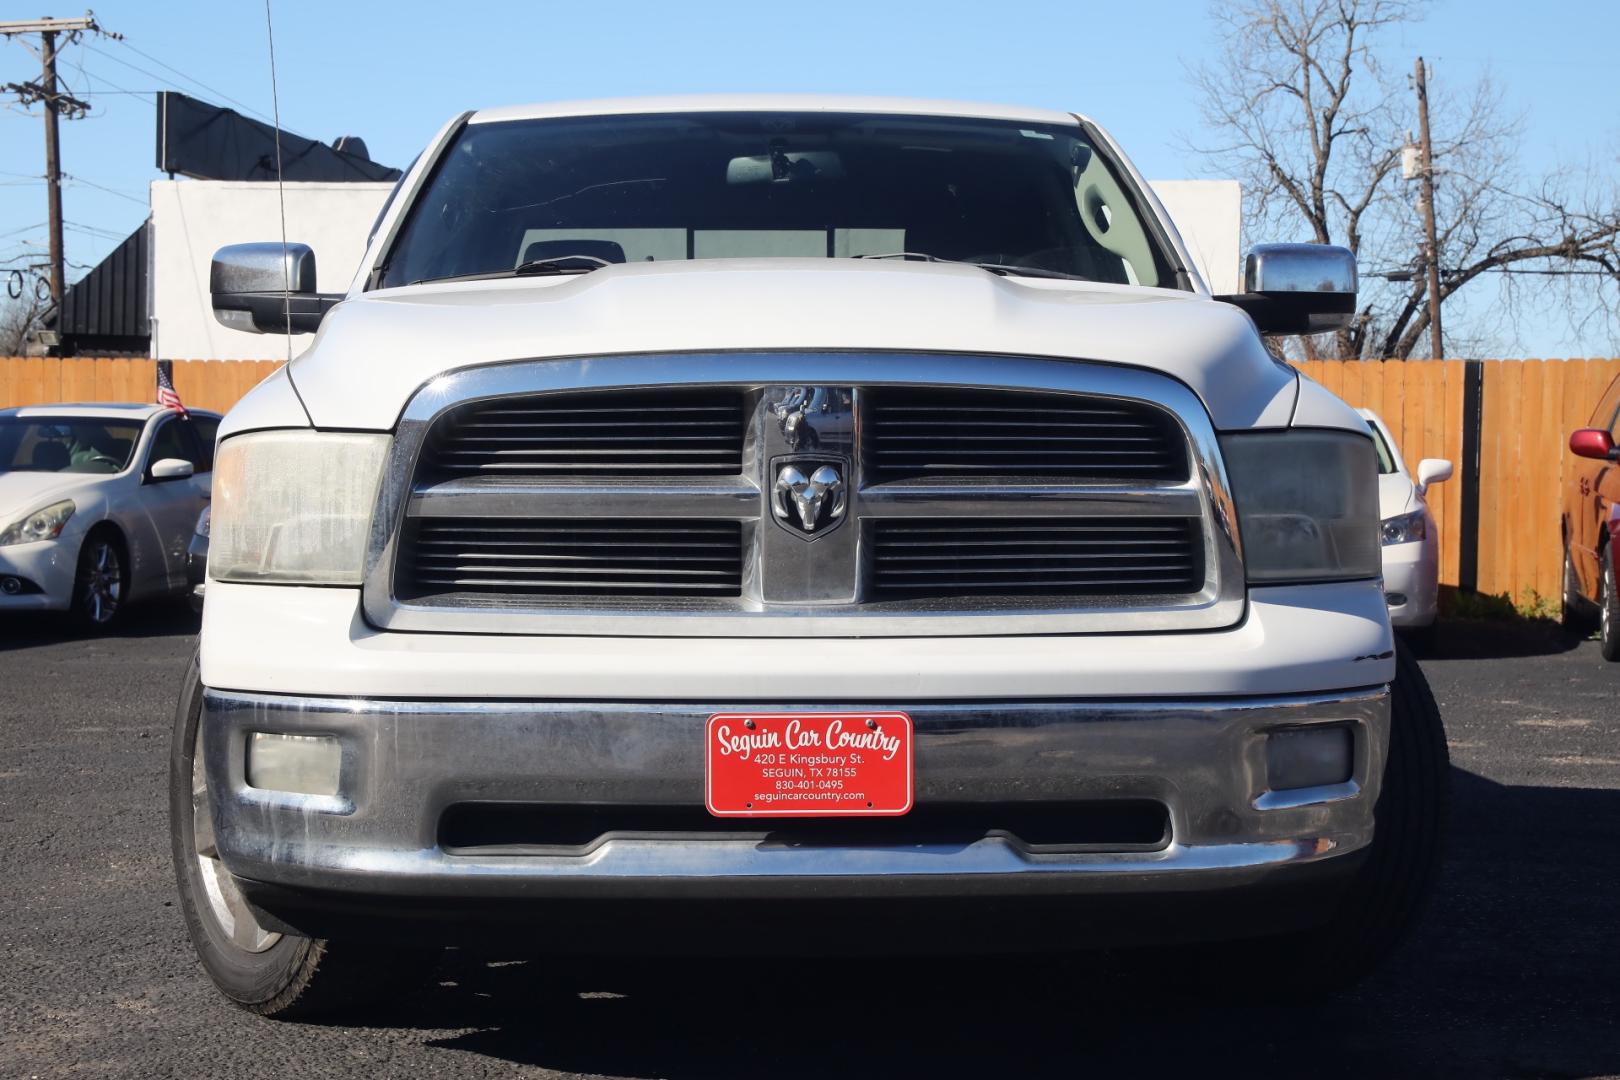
column 1390, row 889
column 1609, row 614
column 273, row 974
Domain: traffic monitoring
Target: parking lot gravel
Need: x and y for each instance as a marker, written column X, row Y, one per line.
column 1514, row 972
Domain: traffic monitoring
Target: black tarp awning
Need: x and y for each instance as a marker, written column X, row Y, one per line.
column 207, row 142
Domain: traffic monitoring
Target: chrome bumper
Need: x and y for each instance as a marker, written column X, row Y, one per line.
column 406, row 762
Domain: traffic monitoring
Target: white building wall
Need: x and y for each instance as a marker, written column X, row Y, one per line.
column 191, row 219
column 1209, row 216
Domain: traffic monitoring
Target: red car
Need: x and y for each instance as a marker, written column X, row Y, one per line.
column 1592, row 524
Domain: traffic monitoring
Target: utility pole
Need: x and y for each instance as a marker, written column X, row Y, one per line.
column 1431, row 245
column 56, row 104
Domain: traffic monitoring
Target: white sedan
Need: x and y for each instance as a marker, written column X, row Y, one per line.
column 98, row 504
column 1411, row 542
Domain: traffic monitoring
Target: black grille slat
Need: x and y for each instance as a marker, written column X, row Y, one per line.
column 596, row 434
column 1050, row 556
column 563, row 560
column 931, row 433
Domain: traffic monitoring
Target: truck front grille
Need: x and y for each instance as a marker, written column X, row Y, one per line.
column 1039, row 556
column 629, row 433
column 559, row 559
column 690, row 496
column 921, row 432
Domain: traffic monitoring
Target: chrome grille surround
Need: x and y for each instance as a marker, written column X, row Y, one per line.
column 799, row 584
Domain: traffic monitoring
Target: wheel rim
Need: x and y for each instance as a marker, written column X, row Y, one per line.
column 103, row 583
column 226, row 905
column 1607, row 617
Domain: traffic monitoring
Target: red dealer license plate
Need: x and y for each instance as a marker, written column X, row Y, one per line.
column 808, row 764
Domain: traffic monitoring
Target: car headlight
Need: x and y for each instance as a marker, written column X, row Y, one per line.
column 1307, row 504
column 204, row 520
column 1405, row 528
column 294, row 506
column 43, row 524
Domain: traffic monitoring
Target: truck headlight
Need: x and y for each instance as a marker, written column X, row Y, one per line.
column 43, row 524
column 294, row 506
column 1307, row 504
column 1405, row 528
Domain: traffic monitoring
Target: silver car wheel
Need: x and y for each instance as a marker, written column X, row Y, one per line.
column 226, row 904
column 103, row 583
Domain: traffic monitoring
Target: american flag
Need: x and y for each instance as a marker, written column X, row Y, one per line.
column 165, row 391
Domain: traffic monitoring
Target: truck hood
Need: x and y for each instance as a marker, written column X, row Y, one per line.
column 375, row 350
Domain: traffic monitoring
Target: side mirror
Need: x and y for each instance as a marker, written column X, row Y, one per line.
column 1298, row 288
column 171, row 468
column 1432, row 470
column 268, row 289
column 1592, row 443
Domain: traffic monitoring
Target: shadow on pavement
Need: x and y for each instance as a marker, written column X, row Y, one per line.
column 159, row 618
column 1512, row 973
column 1492, row 639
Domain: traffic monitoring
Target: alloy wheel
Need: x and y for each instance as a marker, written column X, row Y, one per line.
column 104, row 583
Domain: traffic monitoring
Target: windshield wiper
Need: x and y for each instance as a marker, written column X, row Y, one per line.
column 1027, row 271
column 1001, row 269
column 554, row 264
column 907, row 255
column 560, row 264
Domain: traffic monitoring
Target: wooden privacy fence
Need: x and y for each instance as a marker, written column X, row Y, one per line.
column 1504, row 423
column 206, row 384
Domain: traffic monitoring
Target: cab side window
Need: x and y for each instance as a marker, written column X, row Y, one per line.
column 170, row 442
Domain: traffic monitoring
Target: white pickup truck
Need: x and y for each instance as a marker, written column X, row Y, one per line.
column 699, row 510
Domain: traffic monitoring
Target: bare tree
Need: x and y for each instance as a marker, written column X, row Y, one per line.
column 1313, row 126
column 18, row 318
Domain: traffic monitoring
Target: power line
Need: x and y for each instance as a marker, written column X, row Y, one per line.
column 189, row 78
column 100, row 187
column 170, row 82
column 93, row 230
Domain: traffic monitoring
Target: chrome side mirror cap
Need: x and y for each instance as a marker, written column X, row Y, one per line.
column 1298, row 288
column 267, row 288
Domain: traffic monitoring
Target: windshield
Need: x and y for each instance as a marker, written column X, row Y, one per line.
column 779, row 184
column 66, row 444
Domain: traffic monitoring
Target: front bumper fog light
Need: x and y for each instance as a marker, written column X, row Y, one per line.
column 1309, row 757
column 302, row 764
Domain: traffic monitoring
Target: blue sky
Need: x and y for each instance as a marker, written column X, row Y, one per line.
column 392, row 73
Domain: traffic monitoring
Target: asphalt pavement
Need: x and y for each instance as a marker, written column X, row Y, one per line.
column 1515, row 971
